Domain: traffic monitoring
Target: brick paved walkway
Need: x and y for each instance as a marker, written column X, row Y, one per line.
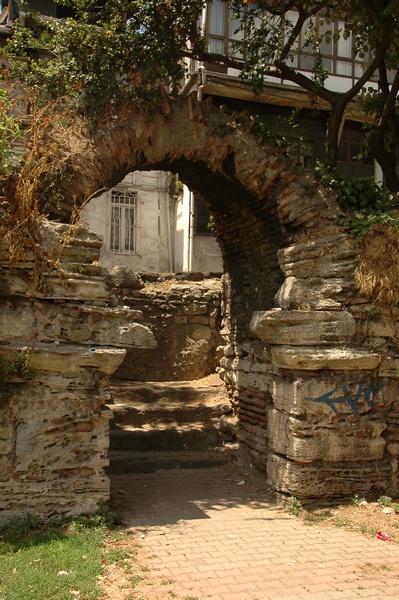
column 212, row 537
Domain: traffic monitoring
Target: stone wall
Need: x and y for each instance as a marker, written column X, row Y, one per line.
column 54, row 427
column 316, row 389
column 184, row 318
column 54, row 432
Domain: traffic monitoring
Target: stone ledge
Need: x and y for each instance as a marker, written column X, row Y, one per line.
column 66, row 358
column 303, row 327
column 316, row 358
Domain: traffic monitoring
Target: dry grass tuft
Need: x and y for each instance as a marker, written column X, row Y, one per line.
column 27, row 193
column 377, row 275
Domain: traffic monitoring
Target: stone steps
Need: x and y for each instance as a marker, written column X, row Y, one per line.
column 167, row 425
column 149, row 462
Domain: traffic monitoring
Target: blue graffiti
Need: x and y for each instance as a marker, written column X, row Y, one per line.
column 342, row 394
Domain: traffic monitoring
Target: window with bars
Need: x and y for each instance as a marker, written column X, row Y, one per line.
column 123, row 221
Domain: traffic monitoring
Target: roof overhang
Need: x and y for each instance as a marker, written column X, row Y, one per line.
column 278, row 94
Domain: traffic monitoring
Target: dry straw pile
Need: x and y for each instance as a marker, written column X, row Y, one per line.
column 377, row 275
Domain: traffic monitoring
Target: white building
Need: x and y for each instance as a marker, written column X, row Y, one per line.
column 149, row 227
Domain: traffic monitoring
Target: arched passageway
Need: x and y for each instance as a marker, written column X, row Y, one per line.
column 313, row 384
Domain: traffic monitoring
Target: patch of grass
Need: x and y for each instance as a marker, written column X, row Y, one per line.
column 57, row 560
column 384, row 501
column 313, row 518
column 368, row 529
column 135, row 579
column 342, row 522
column 293, row 506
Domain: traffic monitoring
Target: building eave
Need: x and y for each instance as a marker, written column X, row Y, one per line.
column 230, row 86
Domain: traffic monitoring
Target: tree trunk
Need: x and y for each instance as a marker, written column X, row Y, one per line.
column 387, row 161
column 333, row 131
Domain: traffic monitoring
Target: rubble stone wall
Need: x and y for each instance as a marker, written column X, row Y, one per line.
column 316, row 390
column 54, row 427
column 184, row 317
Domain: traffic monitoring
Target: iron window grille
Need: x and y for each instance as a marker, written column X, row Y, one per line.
column 123, row 221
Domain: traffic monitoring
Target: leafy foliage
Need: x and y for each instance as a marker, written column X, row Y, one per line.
column 20, row 367
column 293, row 506
column 359, row 194
column 10, row 132
column 104, row 57
column 361, row 224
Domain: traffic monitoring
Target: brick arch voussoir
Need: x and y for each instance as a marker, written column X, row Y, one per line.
column 141, row 139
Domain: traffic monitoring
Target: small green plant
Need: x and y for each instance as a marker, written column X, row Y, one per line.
column 135, row 579
column 361, row 224
column 368, row 529
column 293, row 506
column 384, row 501
column 355, row 499
column 374, row 313
column 342, row 522
column 313, row 518
column 17, row 369
column 103, row 517
column 10, row 132
column 359, row 194
column 396, row 508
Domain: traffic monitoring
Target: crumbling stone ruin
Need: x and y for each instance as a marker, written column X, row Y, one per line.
column 311, row 365
column 54, row 427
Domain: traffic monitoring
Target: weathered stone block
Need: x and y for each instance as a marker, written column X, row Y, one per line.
column 313, row 358
column 180, row 320
column 5, row 467
column 297, row 328
column 327, row 480
column 311, row 294
column 389, row 367
column 201, row 332
column 76, row 287
column 15, row 325
column 73, row 240
column 6, row 438
column 308, row 442
column 382, row 328
column 326, row 397
column 121, row 276
column 133, row 334
column 330, row 256
column 195, row 308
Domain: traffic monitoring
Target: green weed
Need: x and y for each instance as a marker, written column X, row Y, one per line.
column 368, row 529
column 342, row 522
column 293, row 506
column 384, row 501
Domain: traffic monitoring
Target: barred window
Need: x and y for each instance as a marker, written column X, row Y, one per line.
column 123, row 221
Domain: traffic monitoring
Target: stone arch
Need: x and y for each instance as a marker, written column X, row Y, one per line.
column 313, row 382
column 258, row 195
